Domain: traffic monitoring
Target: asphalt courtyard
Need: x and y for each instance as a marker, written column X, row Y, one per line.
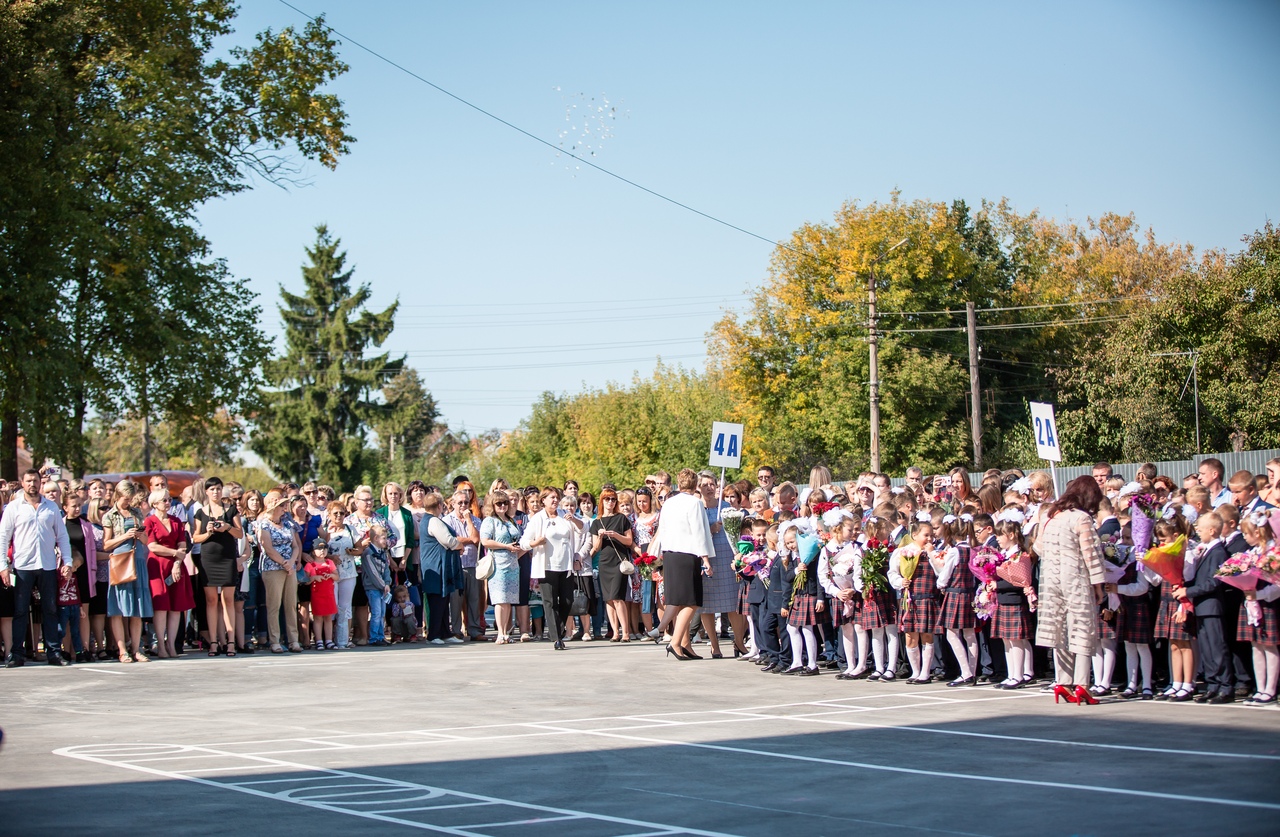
column 603, row 739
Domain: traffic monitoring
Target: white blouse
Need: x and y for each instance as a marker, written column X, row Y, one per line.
column 560, row 548
column 683, row 527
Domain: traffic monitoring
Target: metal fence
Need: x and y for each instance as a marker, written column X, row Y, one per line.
column 1253, row 461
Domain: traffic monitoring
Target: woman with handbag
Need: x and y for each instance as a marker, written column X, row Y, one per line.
column 129, row 595
column 167, row 543
column 553, row 541
column 500, row 536
column 611, row 540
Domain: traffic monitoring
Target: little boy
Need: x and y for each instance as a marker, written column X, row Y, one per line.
column 1208, row 594
column 404, row 626
column 375, row 575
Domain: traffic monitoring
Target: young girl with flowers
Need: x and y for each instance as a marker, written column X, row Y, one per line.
column 1175, row 623
column 805, row 605
column 911, row 572
column 838, row 565
column 1012, row 622
column 950, row 561
column 1264, row 631
column 878, row 615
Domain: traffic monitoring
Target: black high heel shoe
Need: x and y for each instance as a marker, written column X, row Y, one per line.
column 671, row 650
column 689, row 655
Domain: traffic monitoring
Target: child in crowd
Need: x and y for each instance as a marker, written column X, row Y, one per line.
column 911, row 572
column 838, row 566
column 878, row 615
column 404, row 628
column 1264, row 632
column 950, row 560
column 1207, row 593
column 1012, row 622
column 1134, row 628
column 375, row 574
column 776, row 641
column 324, row 601
column 69, row 616
column 805, row 604
column 1175, row 623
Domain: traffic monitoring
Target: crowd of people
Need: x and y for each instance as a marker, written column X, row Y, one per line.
column 1025, row 585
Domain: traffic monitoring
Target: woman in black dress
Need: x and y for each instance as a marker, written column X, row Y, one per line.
column 611, row 541
column 217, row 528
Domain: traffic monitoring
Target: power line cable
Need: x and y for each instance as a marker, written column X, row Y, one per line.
column 539, row 139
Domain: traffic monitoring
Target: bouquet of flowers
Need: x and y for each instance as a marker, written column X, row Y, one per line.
column 1239, row 571
column 908, row 560
column 645, row 565
column 1115, row 560
column 1143, row 516
column 732, row 521
column 808, row 547
column 1267, row 565
column 840, row 571
column 1168, row 562
column 819, row 509
column 875, row 567
column 983, row 562
column 1017, row 571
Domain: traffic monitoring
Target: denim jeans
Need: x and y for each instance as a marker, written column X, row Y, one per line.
column 71, row 614
column 377, row 613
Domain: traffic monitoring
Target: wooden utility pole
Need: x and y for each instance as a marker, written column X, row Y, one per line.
column 873, row 386
column 975, row 409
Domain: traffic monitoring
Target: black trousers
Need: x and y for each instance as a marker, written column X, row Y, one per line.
column 437, row 617
column 1215, row 654
column 773, row 636
column 46, row 581
column 556, row 590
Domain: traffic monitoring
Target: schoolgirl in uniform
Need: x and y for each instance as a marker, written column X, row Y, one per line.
column 1264, row 636
column 1012, row 622
column 911, row 572
column 805, row 604
column 1135, row 628
column 878, row 616
column 841, row 552
column 1176, row 624
column 950, row 561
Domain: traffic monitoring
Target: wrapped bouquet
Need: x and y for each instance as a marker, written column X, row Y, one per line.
column 875, row 567
column 983, row 563
column 1267, row 565
column 1143, row 513
column 1168, row 562
column 1018, row 572
column 732, row 521
column 645, row 565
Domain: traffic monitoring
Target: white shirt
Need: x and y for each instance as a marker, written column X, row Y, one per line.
column 683, row 527
column 38, row 535
column 557, row 553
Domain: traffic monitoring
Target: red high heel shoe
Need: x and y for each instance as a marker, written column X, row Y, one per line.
column 1065, row 693
column 1083, row 696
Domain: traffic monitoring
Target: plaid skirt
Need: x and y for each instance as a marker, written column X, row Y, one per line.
column 957, row 612
column 1135, row 620
column 921, row 617
column 1166, row 628
column 1108, row 630
column 803, row 611
column 1012, row 621
column 880, row 610
column 837, row 611
column 743, row 607
column 1266, row 633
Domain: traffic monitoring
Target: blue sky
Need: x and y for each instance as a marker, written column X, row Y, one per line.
column 765, row 115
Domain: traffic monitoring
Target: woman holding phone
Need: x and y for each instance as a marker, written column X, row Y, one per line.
column 217, row 528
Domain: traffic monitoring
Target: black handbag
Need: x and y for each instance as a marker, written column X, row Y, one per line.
column 581, row 601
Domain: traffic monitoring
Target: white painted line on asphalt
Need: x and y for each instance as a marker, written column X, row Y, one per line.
column 99, row 670
column 941, row 774
column 369, row 785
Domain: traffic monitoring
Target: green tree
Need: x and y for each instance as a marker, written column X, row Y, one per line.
column 408, row 418
column 316, row 414
column 118, row 122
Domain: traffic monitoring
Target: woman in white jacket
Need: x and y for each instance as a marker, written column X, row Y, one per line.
column 553, row 542
column 684, row 538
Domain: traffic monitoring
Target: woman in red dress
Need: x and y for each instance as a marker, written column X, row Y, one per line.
column 167, row 545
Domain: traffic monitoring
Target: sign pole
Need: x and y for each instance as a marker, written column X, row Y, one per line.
column 720, row 497
column 1054, row 473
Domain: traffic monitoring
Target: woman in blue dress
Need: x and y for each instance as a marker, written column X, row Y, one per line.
column 123, row 537
column 500, row 535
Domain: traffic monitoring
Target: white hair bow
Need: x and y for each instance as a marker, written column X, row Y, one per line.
column 1012, row 514
column 832, row 517
column 966, row 517
column 923, row 516
column 949, row 519
column 897, row 489
column 1022, row 485
column 1130, row 488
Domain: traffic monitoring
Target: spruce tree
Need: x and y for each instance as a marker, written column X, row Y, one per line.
column 317, row 408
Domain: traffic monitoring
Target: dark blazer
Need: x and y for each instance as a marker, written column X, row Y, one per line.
column 1207, row 593
column 780, row 581
column 756, row 591
column 1236, row 544
column 1110, row 528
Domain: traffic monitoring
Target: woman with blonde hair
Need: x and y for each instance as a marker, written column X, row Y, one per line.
column 122, row 532
column 281, row 552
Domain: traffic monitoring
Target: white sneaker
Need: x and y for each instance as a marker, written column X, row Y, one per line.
column 453, row 640
column 437, row 641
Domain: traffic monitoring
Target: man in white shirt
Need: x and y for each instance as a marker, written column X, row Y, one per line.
column 33, row 524
column 1212, row 472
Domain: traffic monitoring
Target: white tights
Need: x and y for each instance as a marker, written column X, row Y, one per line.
column 1019, row 659
column 920, row 655
column 1104, row 662
column 855, row 664
column 883, row 663
column 1138, row 655
column 753, row 647
column 800, row 647
column 1266, row 668
column 964, row 642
